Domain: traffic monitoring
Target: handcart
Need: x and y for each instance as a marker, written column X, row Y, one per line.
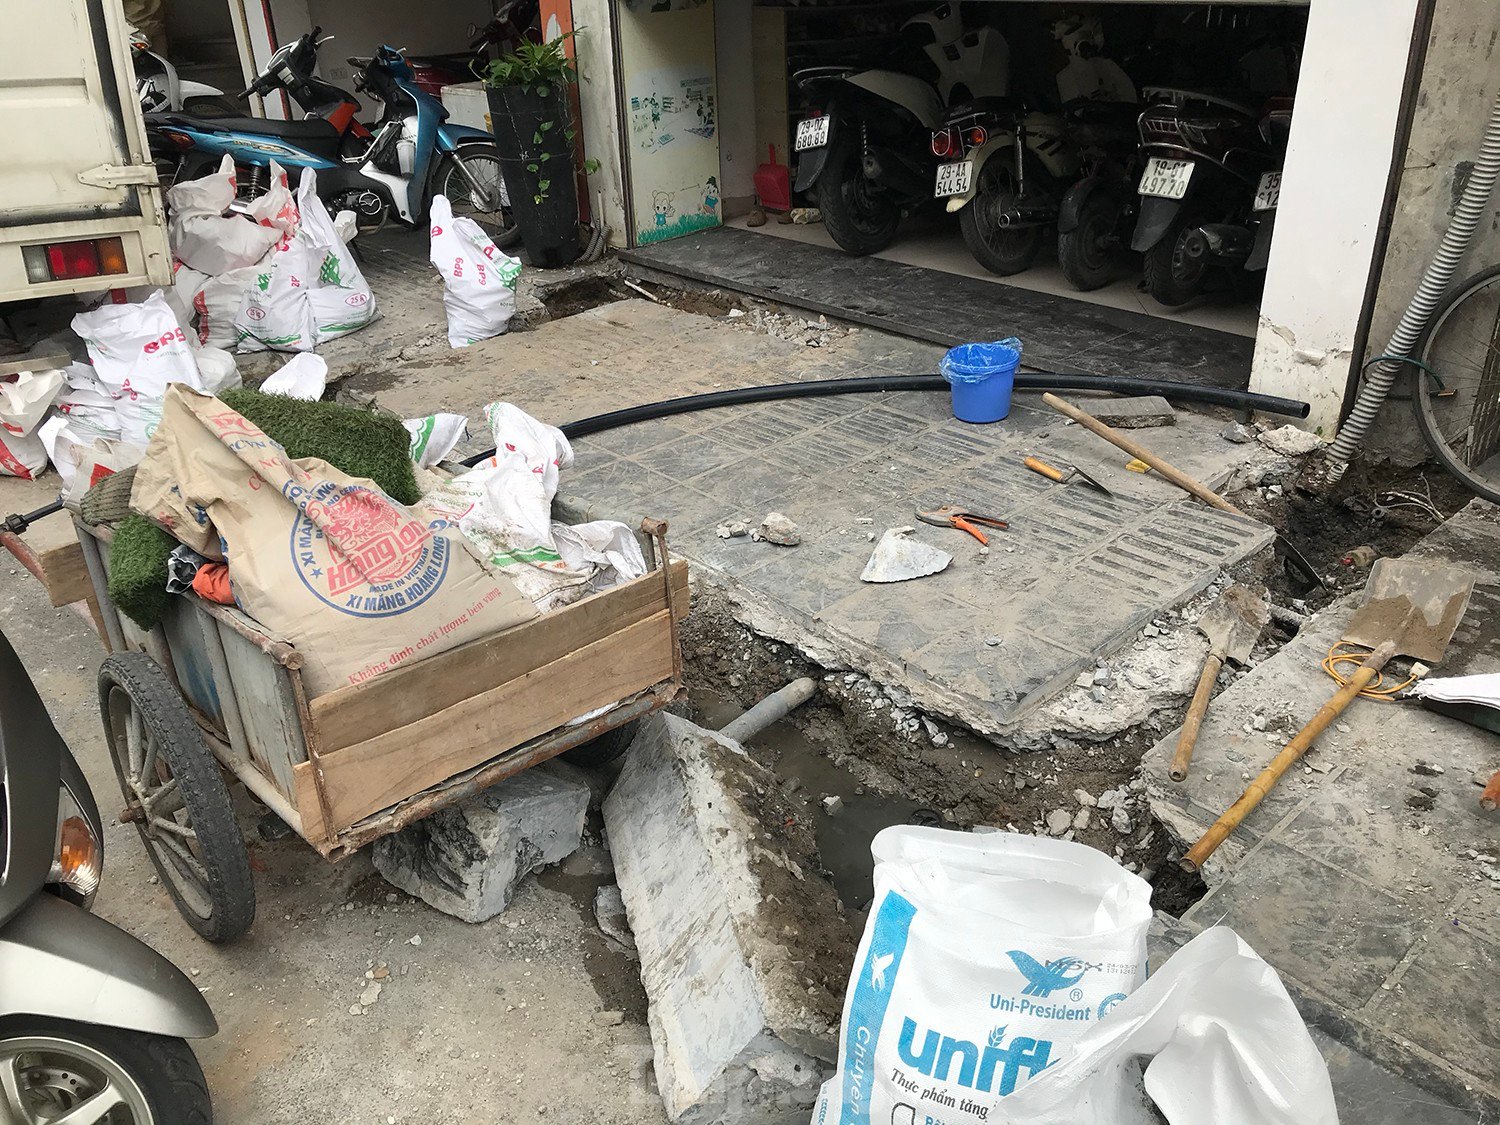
column 210, row 687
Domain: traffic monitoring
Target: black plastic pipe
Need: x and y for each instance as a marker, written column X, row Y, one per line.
column 1028, row 381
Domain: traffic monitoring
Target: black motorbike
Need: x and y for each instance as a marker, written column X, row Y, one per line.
column 93, row 1022
column 1276, row 128
column 1204, row 157
column 1099, row 211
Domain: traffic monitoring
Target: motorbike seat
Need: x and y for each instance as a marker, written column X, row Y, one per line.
column 312, row 133
column 998, row 105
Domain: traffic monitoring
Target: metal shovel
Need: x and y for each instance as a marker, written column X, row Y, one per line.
column 1411, row 607
column 1232, row 626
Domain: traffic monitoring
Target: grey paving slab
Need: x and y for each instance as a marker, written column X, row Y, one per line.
column 1387, row 916
column 1076, row 577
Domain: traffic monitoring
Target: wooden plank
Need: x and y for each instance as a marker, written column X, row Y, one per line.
column 370, row 775
column 360, row 712
column 60, row 568
column 305, row 797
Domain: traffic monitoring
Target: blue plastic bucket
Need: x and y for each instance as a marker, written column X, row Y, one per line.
column 981, row 377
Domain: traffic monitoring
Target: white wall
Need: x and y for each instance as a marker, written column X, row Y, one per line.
column 600, row 109
column 738, row 151
column 1337, row 165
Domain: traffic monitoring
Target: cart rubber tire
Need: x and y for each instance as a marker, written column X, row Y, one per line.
column 221, row 848
column 1084, row 253
column 164, row 1068
column 1162, row 280
column 857, row 231
column 604, row 749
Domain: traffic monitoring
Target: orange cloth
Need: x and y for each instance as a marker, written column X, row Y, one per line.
column 211, row 583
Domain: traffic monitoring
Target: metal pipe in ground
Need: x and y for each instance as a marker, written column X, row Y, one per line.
column 775, row 706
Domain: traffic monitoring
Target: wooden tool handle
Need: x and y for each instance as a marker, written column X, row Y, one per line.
column 1135, row 449
column 1257, row 790
column 1188, row 739
column 1037, row 465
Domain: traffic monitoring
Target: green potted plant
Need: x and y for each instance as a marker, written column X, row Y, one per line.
column 531, row 118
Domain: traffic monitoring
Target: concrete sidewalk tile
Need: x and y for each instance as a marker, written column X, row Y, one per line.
column 1340, row 934
column 1446, row 999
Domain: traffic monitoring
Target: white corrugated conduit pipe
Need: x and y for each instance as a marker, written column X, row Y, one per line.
column 1456, row 241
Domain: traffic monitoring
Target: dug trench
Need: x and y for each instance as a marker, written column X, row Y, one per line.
column 857, row 758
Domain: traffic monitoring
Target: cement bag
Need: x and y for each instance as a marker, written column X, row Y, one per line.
column 25, row 398
column 341, row 299
column 479, row 281
column 21, row 456
column 1221, row 1041
column 218, row 302
column 274, row 313
column 433, row 437
column 984, row 961
column 89, row 408
column 277, row 207
column 205, row 238
column 503, row 506
column 217, row 371
column 326, row 561
column 65, row 447
column 304, row 376
column 138, row 351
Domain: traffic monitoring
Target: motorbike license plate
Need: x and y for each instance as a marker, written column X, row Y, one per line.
column 1268, row 194
column 812, row 133
column 953, row 179
column 1166, row 179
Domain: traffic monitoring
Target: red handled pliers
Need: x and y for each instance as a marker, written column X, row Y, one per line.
column 951, row 515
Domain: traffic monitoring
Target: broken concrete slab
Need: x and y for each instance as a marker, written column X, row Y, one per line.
column 743, row 944
column 1369, row 902
column 1290, row 441
column 467, row 860
column 1133, row 413
column 899, row 558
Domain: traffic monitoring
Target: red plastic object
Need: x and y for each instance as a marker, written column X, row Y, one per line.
column 773, row 185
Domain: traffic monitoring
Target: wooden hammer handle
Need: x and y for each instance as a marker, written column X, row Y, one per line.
column 1257, row 790
column 1188, row 739
column 1135, row 449
column 1037, row 465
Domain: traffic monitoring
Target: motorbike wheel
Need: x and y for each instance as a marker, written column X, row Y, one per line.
column 51, row 1070
column 1174, row 277
column 1087, row 252
column 493, row 214
column 207, row 106
column 172, row 783
column 1001, row 250
column 861, row 220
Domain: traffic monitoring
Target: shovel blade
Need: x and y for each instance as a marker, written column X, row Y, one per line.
column 1233, row 623
column 1415, row 603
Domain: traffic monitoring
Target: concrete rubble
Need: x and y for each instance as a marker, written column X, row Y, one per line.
column 1134, row 413
column 719, row 881
column 898, row 558
column 467, row 860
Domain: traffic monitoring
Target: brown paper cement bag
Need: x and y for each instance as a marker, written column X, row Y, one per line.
column 327, row 561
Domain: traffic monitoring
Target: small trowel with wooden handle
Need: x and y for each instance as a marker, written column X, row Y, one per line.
column 1232, row 626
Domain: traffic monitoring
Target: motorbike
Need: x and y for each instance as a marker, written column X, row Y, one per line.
column 159, row 88
column 1276, row 128
column 1004, row 168
column 1098, row 212
column 413, row 153
column 865, row 151
column 1204, row 161
column 93, row 1023
column 513, row 23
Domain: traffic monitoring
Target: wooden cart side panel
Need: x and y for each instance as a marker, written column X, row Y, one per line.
column 380, row 771
column 267, row 710
column 362, row 712
column 192, row 661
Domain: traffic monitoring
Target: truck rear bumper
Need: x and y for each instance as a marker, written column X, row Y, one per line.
column 147, row 258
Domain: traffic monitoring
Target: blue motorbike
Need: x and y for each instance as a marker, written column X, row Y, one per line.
column 390, row 172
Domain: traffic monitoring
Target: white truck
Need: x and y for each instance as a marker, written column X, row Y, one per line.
column 80, row 208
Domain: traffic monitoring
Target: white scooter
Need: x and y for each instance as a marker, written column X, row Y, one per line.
column 867, row 150
column 161, row 90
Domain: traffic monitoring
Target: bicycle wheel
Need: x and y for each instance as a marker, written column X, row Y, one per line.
column 1457, row 391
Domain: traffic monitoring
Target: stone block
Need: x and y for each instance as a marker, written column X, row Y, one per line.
column 466, row 860
column 1134, row 413
column 744, row 946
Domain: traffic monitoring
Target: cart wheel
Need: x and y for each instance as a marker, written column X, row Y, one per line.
column 604, row 749
column 172, row 784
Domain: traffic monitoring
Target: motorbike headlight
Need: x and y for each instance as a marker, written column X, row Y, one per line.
column 78, row 861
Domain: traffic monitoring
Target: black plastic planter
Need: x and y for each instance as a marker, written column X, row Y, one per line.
column 549, row 228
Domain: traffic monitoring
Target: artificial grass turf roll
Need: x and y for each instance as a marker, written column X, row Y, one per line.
column 358, row 442
column 138, row 570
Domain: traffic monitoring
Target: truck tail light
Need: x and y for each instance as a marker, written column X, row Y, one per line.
column 67, row 261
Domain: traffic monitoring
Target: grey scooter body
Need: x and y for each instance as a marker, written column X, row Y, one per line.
column 57, row 960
